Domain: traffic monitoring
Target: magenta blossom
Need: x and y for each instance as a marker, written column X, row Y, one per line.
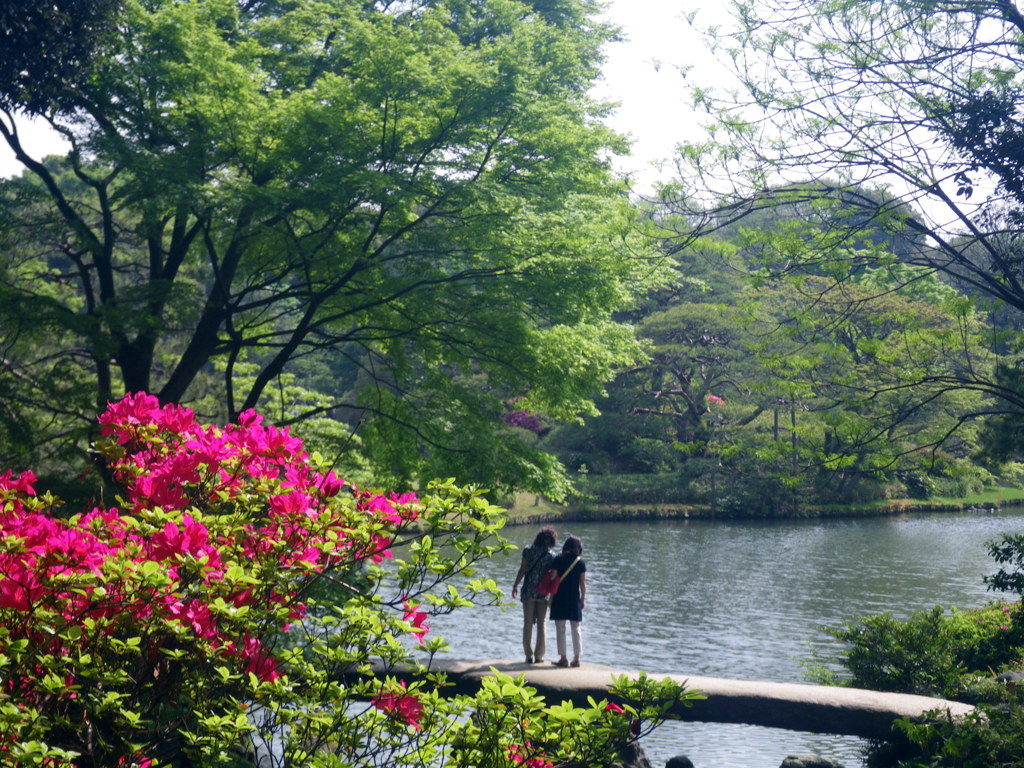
column 524, row 420
column 401, row 706
column 418, row 620
column 520, row 755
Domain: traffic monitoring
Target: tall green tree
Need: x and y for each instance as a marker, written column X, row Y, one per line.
column 411, row 200
column 841, row 98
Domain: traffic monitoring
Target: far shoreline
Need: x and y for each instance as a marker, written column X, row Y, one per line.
column 540, row 510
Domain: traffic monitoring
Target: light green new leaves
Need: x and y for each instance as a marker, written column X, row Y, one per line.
column 405, row 209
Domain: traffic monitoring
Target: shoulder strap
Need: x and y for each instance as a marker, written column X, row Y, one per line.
column 571, row 566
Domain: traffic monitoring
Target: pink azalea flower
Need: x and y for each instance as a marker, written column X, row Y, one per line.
column 292, row 504
column 136, row 762
column 418, row 620
column 257, row 661
column 23, row 483
column 330, row 485
column 249, row 418
column 520, row 755
column 172, row 462
column 400, row 706
column 379, row 547
column 195, row 614
column 19, row 591
column 134, row 409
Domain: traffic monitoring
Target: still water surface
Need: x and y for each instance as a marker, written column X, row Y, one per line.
column 744, row 600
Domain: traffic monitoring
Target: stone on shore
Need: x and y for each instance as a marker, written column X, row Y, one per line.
column 809, row 761
column 633, row 756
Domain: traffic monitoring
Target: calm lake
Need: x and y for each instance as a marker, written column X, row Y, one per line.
column 744, row 600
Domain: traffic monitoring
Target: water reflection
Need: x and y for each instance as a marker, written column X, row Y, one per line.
column 745, row 600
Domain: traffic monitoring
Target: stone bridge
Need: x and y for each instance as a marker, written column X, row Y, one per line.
column 813, row 708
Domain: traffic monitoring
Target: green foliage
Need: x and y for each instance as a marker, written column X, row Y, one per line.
column 916, row 282
column 624, row 489
column 839, row 101
column 1004, row 428
column 913, row 656
column 954, row 656
column 1012, row 473
column 990, row 736
column 929, row 653
column 1009, row 553
column 507, row 711
column 961, row 477
column 48, row 48
column 760, row 487
column 775, row 404
column 406, row 210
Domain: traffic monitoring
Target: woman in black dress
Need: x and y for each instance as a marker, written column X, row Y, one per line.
column 567, row 603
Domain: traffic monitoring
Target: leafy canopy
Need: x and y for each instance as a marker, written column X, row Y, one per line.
column 409, row 206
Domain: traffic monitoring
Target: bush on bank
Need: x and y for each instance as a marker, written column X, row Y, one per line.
column 930, row 653
column 954, row 655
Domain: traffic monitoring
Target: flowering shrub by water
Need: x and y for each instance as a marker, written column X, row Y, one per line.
column 233, row 603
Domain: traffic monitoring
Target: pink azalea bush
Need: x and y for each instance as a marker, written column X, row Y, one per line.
column 234, row 574
column 524, row 420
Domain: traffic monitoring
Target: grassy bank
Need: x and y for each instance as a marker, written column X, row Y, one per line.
column 528, row 509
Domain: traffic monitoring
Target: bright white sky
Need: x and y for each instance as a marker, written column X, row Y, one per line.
column 642, row 73
column 646, row 75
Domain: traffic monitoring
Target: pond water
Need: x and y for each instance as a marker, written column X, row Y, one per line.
column 744, row 599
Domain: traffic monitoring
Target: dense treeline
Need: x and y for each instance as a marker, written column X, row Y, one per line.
column 864, row 179
column 774, row 396
column 902, row 120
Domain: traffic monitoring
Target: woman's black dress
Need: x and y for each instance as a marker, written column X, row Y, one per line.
column 565, row 605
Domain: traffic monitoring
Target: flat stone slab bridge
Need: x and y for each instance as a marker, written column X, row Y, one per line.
column 812, row 708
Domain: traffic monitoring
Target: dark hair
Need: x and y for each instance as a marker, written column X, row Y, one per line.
column 546, row 537
column 573, row 546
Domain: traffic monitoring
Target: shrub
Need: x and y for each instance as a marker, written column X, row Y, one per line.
column 929, row 653
column 986, row 639
column 1012, row 472
column 635, row 489
column 970, row 477
column 990, row 736
column 183, row 627
column 953, row 656
column 912, row 656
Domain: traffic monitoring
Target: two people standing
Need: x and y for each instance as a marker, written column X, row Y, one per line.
column 566, row 604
